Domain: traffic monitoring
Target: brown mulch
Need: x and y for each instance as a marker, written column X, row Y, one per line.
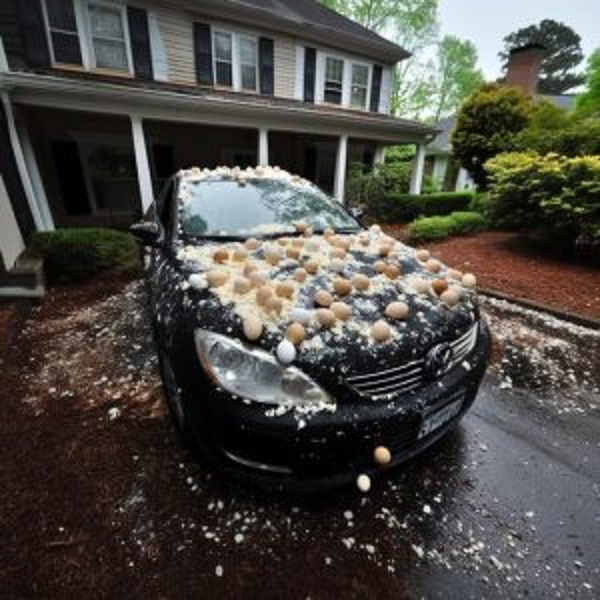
column 507, row 263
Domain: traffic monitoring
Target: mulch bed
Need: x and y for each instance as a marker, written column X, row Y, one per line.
column 507, row 263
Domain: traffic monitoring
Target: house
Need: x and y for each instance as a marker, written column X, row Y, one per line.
column 104, row 99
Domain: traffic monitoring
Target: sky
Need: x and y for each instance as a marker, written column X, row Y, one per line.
column 486, row 22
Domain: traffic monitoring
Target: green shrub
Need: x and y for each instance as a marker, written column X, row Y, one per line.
column 401, row 208
column 77, row 254
column 554, row 195
column 578, row 137
column 437, row 228
column 480, row 203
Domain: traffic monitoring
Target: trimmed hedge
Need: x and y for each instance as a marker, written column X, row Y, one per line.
column 401, row 208
column 77, row 254
column 437, row 228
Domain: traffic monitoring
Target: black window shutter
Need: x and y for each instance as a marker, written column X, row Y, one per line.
column 203, row 52
column 310, row 67
column 140, row 42
column 376, row 88
column 266, row 62
column 33, row 30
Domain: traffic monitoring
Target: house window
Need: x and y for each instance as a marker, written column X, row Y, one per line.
column 223, row 50
column 334, row 79
column 248, row 63
column 107, row 30
column 360, row 86
column 62, row 29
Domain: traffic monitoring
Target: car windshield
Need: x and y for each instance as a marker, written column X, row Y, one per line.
column 224, row 208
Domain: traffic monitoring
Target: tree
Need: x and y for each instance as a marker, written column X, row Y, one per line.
column 563, row 54
column 487, row 124
column 588, row 103
column 458, row 75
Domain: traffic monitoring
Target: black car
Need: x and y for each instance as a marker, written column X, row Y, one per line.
column 299, row 349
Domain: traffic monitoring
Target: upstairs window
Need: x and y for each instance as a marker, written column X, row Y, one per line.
column 107, row 30
column 223, row 50
column 62, row 30
column 360, row 86
column 249, row 63
column 334, row 80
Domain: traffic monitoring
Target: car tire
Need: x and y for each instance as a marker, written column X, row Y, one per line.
column 174, row 400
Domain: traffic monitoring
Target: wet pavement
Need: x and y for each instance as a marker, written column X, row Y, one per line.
column 507, row 505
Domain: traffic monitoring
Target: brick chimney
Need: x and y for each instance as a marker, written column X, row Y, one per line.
column 523, row 69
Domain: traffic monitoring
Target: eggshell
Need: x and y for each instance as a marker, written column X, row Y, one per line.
column 300, row 226
column 296, row 333
column 396, row 310
column 380, row 331
column 272, row 257
column 300, row 274
column 216, row 278
column 240, row 254
column 274, row 305
column 257, row 278
column 300, row 315
column 450, row 297
column 364, row 240
column 241, row 285
column 379, row 266
column 325, row 317
column 220, row 256
column 392, row 272
column 375, row 229
column 341, row 310
column 323, row 298
column 469, row 280
column 382, row 455
column 361, row 282
column 420, row 285
column 342, row 286
column 263, row 295
column 439, row 286
column 363, row 483
column 423, row 255
column 307, row 232
column 253, row 328
column 311, row 266
column 337, row 265
column 285, row 289
column 286, row 353
column 298, row 242
column 328, row 232
column 433, row 265
column 283, row 241
column 249, row 267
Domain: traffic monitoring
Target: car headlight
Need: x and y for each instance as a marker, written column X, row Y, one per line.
column 255, row 374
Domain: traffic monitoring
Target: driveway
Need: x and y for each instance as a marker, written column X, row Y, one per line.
column 97, row 498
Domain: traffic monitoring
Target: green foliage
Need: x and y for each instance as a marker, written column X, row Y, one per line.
column 563, row 54
column 554, row 195
column 486, row 125
column 437, row 228
column 588, row 103
column 77, row 254
column 402, row 208
column 480, row 203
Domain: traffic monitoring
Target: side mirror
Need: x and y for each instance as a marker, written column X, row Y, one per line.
column 145, row 232
column 357, row 213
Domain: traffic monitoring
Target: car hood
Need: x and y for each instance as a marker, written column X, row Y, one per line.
column 214, row 281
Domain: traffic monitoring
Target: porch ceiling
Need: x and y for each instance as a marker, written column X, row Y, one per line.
column 190, row 104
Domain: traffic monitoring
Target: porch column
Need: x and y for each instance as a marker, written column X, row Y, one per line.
column 339, row 182
column 461, row 180
column 141, row 162
column 416, row 180
column 440, row 166
column 379, row 157
column 263, row 147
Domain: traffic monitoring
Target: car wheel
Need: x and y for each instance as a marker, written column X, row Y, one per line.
column 174, row 400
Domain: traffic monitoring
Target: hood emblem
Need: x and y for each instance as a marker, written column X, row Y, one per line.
column 439, row 360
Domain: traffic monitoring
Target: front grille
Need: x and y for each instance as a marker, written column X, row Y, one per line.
column 410, row 375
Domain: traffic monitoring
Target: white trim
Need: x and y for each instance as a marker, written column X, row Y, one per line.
column 11, row 240
column 385, row 91
column 299, row 79
column 416, row 180
column 3, row 61
column 263, row 146
column 379, row 157
column 339, row 182
column 141, row 162
column 49, row 31
column 160, row 64
column 236, row 63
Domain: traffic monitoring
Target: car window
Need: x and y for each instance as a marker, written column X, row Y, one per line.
column 259, row 207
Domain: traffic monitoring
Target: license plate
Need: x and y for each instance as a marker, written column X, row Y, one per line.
column 437, row 419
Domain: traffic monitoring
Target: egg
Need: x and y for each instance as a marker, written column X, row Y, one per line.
column 385, row 249
column 257, row 278
column 300, row 274
column 300, row 226
column 300, row 315
column 328, row 232
column 285, row 289
column 311, row 266
column 420, row 285
column 240, row 254
column 439, row 286
column 323, row 298
column 249, row 267
column 325, row 317
column 360, row 282
column 392, row 272
column 380, row 331
column 216, row 278
column 307, row 232
column 341, row 310
column 364, row 240
column 423, row 255
column 252, row 327
column 379, row 266
column 469, row 280
column 338, row 253
column 274, row 305
column 272, row 257
column 298, row 242
column 450, row 297
column 455, row 274
column 337, row 265
column 198, row 281
column 363, row 483
column 286, row 353
column 313, row 245
column 396, row 310
column 263, row 295
column 433, row 265
column 220, row 256
column 241, row 285
column 376, row 229
column 293, row 253
column 342, row 286
column 296, row 333
column 283, row 241
column 382, row 455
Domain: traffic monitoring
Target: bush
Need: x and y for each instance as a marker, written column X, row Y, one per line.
column 437, row 228
column 578, row 137
column 480, row 203
column 77, row 254
column 401, row 208
column 554, row 195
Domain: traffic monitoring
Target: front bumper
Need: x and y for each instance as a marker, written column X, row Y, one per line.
column 333, row 448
